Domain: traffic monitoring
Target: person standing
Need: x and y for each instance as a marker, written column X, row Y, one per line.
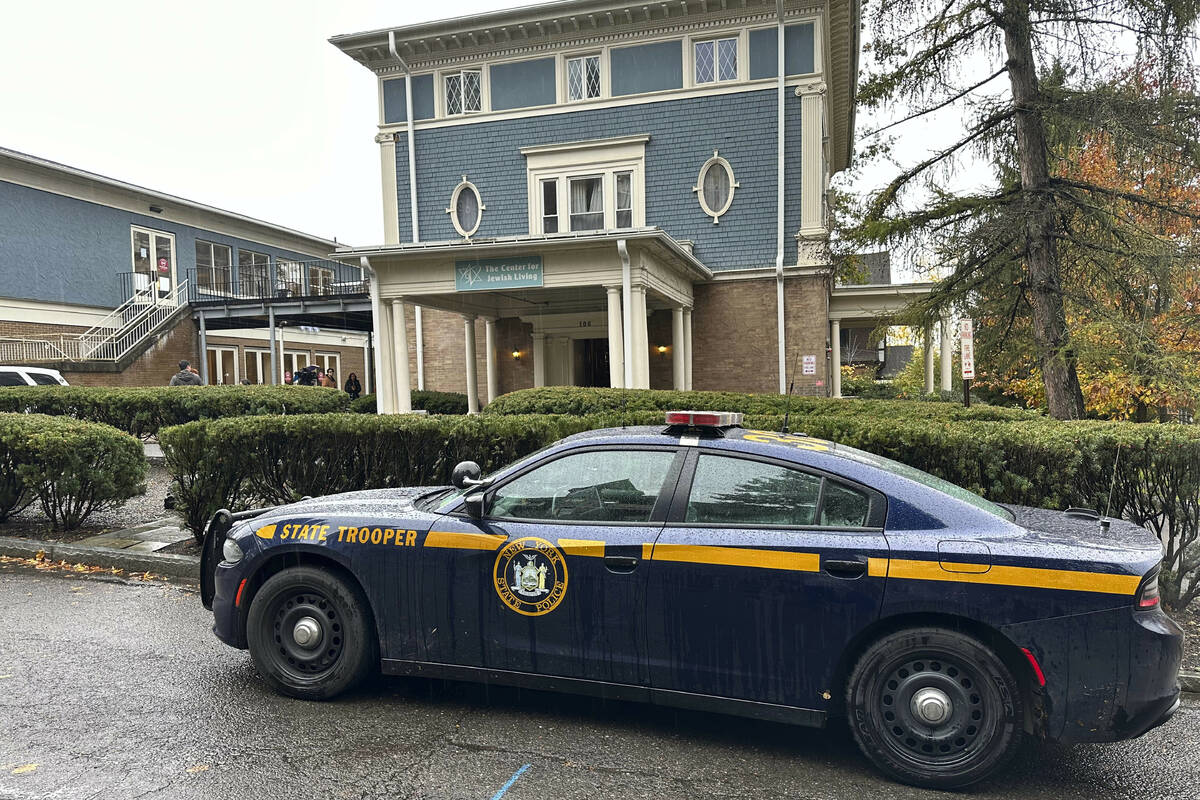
column 353, row 387
column 186, row 376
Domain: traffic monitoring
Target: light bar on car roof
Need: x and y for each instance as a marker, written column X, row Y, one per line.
column 704, row 419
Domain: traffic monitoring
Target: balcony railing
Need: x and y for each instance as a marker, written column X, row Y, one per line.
column 301, row 279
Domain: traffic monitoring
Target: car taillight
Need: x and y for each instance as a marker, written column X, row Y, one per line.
column 1147, row 596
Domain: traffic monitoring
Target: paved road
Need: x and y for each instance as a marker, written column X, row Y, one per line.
column 118, row 690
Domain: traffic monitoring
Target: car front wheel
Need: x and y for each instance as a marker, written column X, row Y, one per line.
column 311, row 634
column 934, row 708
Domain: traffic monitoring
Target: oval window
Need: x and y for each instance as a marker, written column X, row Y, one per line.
column 715, row 187
column 466, row 209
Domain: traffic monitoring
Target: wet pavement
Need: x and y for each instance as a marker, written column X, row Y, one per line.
column 117, row 690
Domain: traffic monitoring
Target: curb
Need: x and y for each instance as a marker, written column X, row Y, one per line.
column 1189, row 681
column 167, row 564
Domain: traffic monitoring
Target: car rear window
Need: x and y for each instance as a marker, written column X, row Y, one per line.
column 42, row 379
column 10, row 378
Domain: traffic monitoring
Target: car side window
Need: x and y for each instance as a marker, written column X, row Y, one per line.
column 43, row 380
column 592, row 486
column 744, row 493
column 9, row 378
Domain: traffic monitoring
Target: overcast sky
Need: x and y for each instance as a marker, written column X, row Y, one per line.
column 241, row 104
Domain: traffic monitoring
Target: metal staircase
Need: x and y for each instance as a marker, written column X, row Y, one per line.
column 121, row 332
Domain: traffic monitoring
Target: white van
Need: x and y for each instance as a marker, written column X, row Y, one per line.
column 31, row 376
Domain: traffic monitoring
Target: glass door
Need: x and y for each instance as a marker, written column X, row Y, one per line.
column 153, row 264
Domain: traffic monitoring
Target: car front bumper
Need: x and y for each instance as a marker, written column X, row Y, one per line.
column 229, row 623
column 1110, row 675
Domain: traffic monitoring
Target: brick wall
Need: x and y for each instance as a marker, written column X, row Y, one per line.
column 153, row 367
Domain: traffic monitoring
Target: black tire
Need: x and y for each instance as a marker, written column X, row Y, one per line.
column 343, row 650
column 963, row 679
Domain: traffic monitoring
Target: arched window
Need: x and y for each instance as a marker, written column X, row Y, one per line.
column 715, row 186
column 466, row 208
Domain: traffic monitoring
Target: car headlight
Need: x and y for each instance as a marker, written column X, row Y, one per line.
column 231, row 551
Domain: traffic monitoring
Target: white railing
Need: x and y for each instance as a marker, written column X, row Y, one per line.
column 142, row 315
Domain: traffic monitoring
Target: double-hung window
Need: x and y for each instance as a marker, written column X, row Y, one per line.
column 320, row 280
column 464, row 92
column 549, row 188
column 624, row 199
column 715, row 60
column 212, row 266
column 587, row 203
column 583, row 78
column 253, row 271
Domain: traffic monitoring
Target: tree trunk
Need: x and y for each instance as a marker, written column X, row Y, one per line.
column 1055, row 356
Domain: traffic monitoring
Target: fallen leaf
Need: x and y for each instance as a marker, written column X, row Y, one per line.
column 26, row 768
column 198, row 768
column 2, row 677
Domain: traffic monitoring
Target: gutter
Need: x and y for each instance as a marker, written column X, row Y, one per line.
column 779, row 316
column 412, row 192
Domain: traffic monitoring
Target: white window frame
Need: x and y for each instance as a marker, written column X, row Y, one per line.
column 464, row 186
column 443, row 106
column 266, row 278
column 601, row 57
column 604, row 158
column 291, row 355
column 212, row 255
column 290, row 273
column 715, row 161
column 221, row 354
column 541, row 201
column 262, row 362
column 323, row 360
column 743, row 58
column 606, row 199
column 325, row 273
column 716, row 43
column 151, row 232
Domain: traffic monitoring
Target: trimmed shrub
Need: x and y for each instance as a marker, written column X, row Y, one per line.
column 422, row 400
column 72, row 467
column 14, row 493
column 582, row 400
column 143, row 411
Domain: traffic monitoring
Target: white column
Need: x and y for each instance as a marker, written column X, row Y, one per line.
column 403, row 400
column 204, row 376
column 947, row 356
column 835, row 357
column 419, row 324
column 687, row 343
column 539, row 359
column 489, row 342
column 567, row 360
column 366, row 376
column 616, row 342
column 928, row 345
column 640, row 339
column 274, row 353
column 387, row 170
column 385, row 390
column 812, row 158
column 282, row 360
column 678, row 351
column 472, row 370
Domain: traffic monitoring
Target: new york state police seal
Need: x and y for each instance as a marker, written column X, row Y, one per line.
column 530, row 576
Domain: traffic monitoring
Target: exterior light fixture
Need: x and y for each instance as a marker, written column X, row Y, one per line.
column 516, row 355
column 662, row 349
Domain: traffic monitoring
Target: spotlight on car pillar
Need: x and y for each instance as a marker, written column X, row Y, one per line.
column 466, row 473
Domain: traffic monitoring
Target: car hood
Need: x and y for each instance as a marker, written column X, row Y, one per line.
column 384, row 504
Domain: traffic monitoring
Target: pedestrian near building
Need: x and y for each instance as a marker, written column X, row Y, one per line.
column 353, row 387
column 186, row 376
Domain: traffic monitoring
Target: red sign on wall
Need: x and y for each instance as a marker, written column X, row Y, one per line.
column 163, row 266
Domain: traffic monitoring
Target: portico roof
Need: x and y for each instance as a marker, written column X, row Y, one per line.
column 656, row 240
column 873, row 301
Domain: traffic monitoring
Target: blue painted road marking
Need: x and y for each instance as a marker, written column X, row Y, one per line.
column 511, row 781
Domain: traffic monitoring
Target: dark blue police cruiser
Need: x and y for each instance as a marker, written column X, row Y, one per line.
column 706, row 566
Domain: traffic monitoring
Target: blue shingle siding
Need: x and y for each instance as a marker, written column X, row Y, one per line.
column 646, row 67
column 521, row 84
column 59, row 249
column 797, row 51
column 683, row 134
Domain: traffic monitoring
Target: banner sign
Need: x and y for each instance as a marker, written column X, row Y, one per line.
column 966, row 337
column 486, row 274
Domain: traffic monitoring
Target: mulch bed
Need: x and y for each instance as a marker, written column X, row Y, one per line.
column 1189, row 620
column 39, row 528
column 187, row 547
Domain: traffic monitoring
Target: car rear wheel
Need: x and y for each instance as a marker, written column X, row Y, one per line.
column 311, row 634
column 934, row 708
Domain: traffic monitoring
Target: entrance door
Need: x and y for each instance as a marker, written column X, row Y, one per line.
column 760, row 579
column 595, row 363
column 153, row 263
column 223, row 365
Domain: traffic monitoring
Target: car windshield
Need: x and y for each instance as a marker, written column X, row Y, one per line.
column 445, row 499
column 923, row 478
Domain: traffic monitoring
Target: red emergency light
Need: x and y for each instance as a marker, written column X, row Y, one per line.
column 704, row 419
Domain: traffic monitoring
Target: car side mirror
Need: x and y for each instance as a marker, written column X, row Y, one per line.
column 474, row 503
column 465, row 474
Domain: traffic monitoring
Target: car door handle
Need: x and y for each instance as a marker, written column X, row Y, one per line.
column 620, row 563
column 845, row 569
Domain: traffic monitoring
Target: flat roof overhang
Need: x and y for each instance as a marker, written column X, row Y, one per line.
column 872, row 302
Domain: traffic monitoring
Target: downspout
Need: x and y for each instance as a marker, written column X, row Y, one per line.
column 412, row 192
column 779, row 317
column 626, row 311
column 376, row 363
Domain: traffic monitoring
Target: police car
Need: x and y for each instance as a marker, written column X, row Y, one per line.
column 702, row 565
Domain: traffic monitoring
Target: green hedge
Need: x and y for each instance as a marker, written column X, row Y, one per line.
column 422, row 400
column 1151, row 471
column 580, row 400
column 71, row 467
column 143, row 411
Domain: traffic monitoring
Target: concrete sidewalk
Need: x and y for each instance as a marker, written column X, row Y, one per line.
column 149, row 537
column 133, row 549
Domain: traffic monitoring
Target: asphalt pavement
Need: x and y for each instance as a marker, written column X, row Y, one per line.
column 119, row 690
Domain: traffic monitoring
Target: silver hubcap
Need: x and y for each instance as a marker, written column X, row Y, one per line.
column 307, row 632
column 931, row 706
